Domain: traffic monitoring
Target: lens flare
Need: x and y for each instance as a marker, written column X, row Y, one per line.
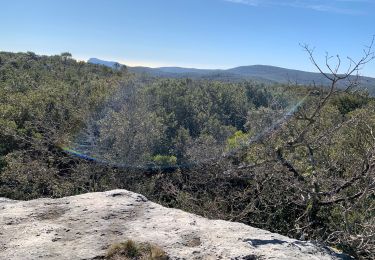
column 131, row 132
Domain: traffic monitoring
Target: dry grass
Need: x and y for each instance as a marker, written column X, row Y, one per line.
column 130, row 250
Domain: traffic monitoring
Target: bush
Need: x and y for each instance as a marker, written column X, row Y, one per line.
column 165, row 160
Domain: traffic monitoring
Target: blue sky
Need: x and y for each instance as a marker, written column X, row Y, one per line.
column 190, row 33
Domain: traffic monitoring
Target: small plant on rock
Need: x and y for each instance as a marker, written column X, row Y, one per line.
column 130, row 250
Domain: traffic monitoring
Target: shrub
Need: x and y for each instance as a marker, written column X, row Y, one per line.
column 164, row 160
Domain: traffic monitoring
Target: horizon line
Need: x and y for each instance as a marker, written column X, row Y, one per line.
column 205, row 68
column 158, row 65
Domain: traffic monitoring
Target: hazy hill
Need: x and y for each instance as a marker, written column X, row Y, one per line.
column 111, row 64
column 259, row 73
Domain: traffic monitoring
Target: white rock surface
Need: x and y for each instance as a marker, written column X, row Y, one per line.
column 84, row 226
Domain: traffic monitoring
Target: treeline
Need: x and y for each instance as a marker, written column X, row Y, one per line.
column 308, row 171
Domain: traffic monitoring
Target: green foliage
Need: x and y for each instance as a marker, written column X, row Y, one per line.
column 347, row 103
column 165, row 160
column 180, row 117
column 239, row 139
column 288, row 180
column 44, row 101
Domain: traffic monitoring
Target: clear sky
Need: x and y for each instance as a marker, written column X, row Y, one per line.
column 190, row 33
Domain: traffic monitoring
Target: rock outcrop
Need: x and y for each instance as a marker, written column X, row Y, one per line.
column 84, row 226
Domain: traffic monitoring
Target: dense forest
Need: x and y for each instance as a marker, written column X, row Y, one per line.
column 290, row 159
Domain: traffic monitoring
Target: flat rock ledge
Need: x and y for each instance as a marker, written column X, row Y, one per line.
column 84, row 226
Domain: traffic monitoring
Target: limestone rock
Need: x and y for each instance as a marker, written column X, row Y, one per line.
column 84, row 226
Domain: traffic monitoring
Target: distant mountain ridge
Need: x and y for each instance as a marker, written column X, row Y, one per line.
column 110, row 64
column 259, row 73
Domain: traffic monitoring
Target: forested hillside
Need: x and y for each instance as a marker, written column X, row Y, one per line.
column 294, row 160
column 257, row 73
